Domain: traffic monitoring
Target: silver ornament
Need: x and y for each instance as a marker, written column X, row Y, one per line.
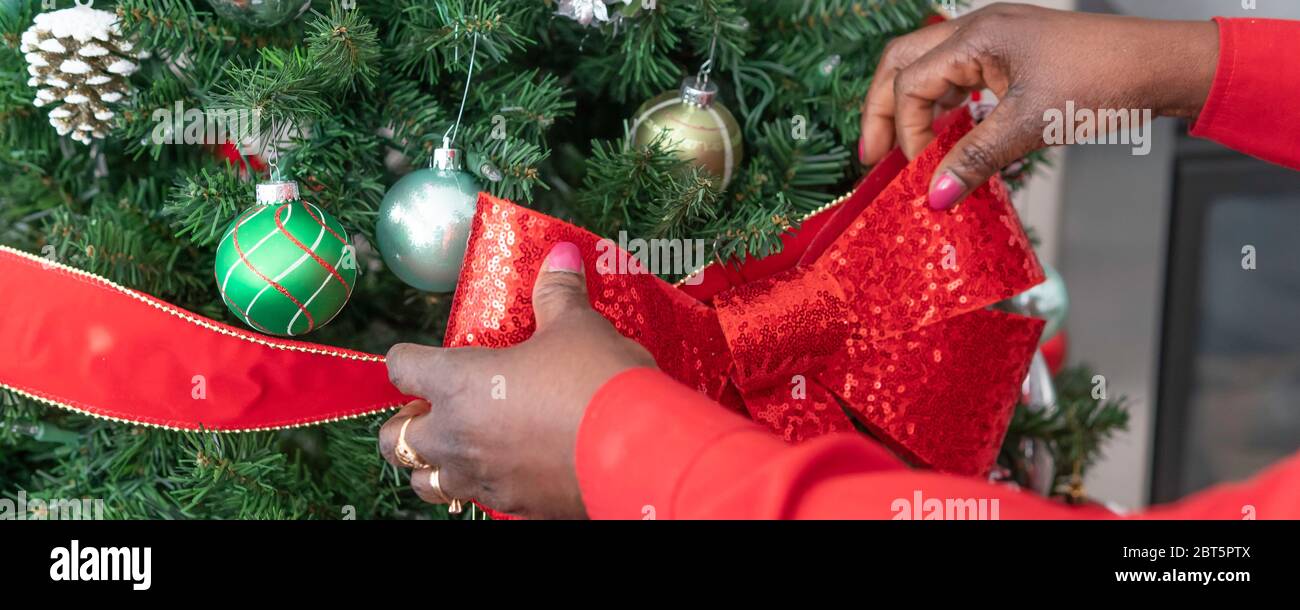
column 587, row 11
column 260, row 13
column 424, row 223
column 1038, row 393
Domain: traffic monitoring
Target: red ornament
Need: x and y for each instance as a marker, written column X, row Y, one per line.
column 859, row 307
column 1055, row 351
column 230, row 152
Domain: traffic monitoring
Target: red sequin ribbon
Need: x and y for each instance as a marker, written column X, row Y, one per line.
column 876, row 307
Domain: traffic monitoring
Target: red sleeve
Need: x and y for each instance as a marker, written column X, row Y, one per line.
column 1252, row 104
column 649, row 447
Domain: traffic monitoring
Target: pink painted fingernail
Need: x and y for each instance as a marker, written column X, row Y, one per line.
column 564, row 256
column 946, row 191
column 862, row 149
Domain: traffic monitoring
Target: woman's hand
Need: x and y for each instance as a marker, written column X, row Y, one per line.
column 501, row 424
column 1035, row 60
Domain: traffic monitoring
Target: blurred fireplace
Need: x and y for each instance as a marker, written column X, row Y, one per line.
column 1229, row 386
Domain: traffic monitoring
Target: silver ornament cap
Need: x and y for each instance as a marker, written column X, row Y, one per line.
column 277, row 191
column 698, row 91
column 447, row 158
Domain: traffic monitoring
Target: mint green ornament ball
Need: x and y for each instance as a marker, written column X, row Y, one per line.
column 1048, row 300
column 284, row 266
column 424, row 223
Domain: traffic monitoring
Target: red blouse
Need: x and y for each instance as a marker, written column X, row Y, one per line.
column 649, row 447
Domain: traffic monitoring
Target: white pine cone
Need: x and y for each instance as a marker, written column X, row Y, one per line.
column 79, row 63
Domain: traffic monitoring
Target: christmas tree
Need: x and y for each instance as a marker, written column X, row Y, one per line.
column 548, row 100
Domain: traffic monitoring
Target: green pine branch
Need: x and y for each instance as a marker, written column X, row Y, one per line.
column 1075, row 432
column 344, row 47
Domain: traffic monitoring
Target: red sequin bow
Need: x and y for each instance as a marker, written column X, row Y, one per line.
column 876, row 306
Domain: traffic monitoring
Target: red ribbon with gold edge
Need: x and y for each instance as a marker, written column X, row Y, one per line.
column 78, row 341
column 876, row 306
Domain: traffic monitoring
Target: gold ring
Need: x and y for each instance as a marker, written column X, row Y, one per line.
column 407, row 456
column 453, row 504
column 433, row 484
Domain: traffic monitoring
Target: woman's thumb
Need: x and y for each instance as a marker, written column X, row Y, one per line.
column 561, row 285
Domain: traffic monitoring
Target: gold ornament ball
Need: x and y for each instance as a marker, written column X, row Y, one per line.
column 700, row 129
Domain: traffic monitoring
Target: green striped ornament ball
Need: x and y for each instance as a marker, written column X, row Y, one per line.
column 285, row 266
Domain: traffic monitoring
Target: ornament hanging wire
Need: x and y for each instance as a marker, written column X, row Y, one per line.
column 469, row 76
column 707, row 67
column 273, row 162
column 269, row 151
